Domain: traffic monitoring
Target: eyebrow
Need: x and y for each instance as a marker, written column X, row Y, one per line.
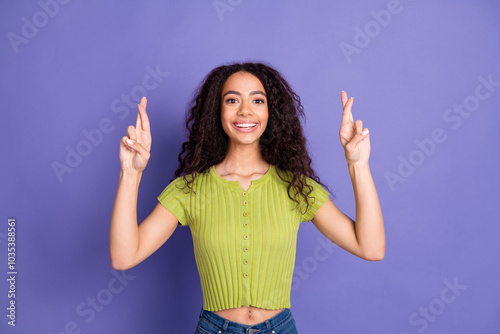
column 254, row 92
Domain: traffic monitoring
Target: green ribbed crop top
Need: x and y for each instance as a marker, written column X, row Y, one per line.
column 244, row 241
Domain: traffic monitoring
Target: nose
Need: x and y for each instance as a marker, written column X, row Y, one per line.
column 245, row 109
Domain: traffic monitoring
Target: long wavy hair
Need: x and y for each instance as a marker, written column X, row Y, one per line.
column 282, row 144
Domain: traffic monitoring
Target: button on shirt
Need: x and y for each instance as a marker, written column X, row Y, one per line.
column 244, row 240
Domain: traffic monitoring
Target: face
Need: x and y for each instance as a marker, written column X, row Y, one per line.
column 244, row 112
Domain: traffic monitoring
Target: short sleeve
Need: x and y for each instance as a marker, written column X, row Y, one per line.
column 316, row 199
column 176, row 199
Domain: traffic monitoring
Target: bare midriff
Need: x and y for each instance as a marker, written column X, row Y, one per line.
column 248, row 315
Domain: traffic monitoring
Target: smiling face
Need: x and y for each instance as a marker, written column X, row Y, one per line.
column 244, row 111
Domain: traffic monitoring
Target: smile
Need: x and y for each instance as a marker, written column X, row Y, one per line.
column 245, row 127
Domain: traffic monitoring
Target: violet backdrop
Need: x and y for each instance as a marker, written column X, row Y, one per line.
column 426, row 80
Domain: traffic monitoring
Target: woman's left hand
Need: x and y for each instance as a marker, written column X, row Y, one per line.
column 354, row 139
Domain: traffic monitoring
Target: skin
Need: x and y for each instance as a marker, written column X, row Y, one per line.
column 130, row 244
column 366, row 237
column 243, row 99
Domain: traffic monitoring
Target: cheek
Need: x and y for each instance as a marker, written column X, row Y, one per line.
column 223, row 115
column 226, row 126
column 266, row 116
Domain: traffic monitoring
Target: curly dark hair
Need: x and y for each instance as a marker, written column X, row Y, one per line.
column 282, row 144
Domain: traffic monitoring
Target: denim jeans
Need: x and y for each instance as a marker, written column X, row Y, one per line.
column 212, row 323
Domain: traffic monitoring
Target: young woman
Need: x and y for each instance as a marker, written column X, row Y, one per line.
column 244, row 185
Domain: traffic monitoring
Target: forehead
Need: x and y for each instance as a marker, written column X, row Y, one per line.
column 242, row 81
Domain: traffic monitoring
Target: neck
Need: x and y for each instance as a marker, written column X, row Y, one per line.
column 244, row 159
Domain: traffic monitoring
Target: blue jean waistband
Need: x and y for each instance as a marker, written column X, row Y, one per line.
column 232, row 326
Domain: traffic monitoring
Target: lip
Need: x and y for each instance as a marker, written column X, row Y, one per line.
column 245, row 122
column 245, row 130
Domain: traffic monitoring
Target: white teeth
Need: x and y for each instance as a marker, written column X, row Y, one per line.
column 246, row 125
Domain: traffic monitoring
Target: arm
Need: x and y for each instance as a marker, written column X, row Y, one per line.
column 130, row 244
column 366, row 237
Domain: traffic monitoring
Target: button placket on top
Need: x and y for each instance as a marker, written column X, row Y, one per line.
column 245, row 217
column 246, row 244
column 245, row 200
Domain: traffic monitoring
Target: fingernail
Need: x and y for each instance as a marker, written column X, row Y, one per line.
column 364, row 133
column 130, row 142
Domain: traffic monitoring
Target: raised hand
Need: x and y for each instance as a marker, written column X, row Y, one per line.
column 354, row 139
column 135, row 147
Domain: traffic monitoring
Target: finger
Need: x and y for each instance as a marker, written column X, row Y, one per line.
column 125, row 142
column 346, row 115
column 138, row 122
column 144, row 102
column 359, row 126
column 350, row 110
column 365, row 133
column 343, row 97
column 138, row 148
column 131, row 132
column 145, row 126
column 358, row 138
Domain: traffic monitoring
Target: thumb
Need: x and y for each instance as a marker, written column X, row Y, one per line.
column 138, row 148
column 359, row 137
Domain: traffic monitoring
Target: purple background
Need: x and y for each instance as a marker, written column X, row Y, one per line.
column 439, row 202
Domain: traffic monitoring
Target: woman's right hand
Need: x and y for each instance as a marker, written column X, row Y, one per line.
column 135, row 147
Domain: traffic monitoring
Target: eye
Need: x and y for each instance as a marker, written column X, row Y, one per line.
column 259, row 101
column 231, row 100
